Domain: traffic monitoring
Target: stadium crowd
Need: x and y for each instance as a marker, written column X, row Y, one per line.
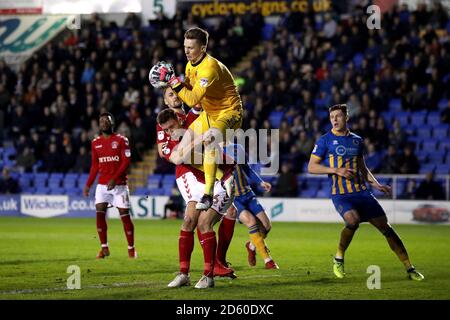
column 51, row 105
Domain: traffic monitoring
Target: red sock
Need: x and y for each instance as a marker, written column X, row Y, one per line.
column 185, row 247
column 209, row 245
column 226, row 230
column 128, row 227
column 102, row 227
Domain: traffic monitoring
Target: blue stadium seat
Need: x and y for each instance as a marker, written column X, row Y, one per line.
column 395, row 105
column 309, row 193
column 447, row 159
column 429, row 145
column 418, row 118
column 402, row 117
column 41, row 176
column 312, row 184
column 330, row 56
column 69, row 183
column 426, row 168
column 442, row 104
column 440, row 131
column 153, row 181
column 358, row 59
column 141, row 191
column 275, row 118
column 70, row 176
column 444, row 144
column 57, row 191
column 42, row 190
column 54, row 182
column 442, row 169
column 56, row 175
column 434, row 119
column 424, row 132
column 410, row 130
column 387, row 116
column 24, row 181
column 28, row 190
column 267, row 31
column 40, row 183
column 73, row 191
column 323, row 193
column 436, row 157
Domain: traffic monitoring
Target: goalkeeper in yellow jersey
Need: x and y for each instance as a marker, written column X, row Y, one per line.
column 210, row 83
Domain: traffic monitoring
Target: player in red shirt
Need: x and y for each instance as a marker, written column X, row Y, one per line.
column 226, row 227
column 110, row 159
column 191, row 182
column 172, row 101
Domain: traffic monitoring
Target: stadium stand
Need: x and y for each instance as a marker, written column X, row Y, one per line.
column 395, row 83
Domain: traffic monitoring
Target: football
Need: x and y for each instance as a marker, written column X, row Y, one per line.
column 154, row 76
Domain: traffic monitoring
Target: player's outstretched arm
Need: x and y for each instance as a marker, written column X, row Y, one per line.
column 370, row 178
column 315, row 166
column 182, row 153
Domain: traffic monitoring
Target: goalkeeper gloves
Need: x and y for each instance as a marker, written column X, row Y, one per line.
column 167, row 74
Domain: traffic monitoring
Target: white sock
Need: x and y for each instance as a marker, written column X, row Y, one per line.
column 130, row 247
column 267, row 260
column 252, row 246
column 104, row 245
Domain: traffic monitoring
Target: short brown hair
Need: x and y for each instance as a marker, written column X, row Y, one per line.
column 165, row 115
column 342, row 107
column 198, row 34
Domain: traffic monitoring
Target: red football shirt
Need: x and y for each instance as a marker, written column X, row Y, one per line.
column 169, row 145
column 162, row 136
column 110, row 159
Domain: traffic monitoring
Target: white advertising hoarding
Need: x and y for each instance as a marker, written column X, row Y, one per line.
column 322, row 210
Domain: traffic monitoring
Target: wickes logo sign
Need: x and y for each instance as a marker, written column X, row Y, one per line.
column 44, row 206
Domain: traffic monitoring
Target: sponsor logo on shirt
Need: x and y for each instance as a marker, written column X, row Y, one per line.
column 203, row 82
column 160, row 135
column 108, row 159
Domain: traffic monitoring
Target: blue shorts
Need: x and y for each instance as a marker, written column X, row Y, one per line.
column 247, row 202
column 364, row 203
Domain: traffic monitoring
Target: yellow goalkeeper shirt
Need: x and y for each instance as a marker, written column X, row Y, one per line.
column 210, row 83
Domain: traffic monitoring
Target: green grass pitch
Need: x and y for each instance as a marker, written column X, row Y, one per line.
column 35, row 254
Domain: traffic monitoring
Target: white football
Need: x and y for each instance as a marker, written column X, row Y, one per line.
column 153, row 77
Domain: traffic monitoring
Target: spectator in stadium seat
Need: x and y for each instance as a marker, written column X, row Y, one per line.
column 7, row 183
column 373, row 158
column 286, row 185
column 409, row 164
column 82, row 161
column 132, row 21
column 68, row 159
column 25, row 160
column 390, row 161
column 52, row 160
column 429, row 189
column 445, row 114
column 397, row 137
